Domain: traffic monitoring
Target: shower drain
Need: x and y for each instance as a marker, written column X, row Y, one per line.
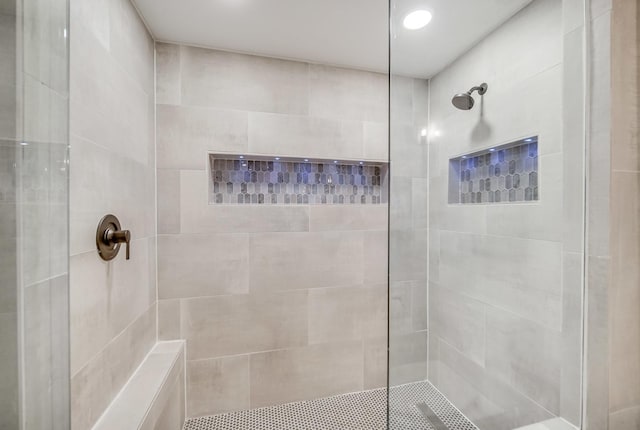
column 365, row 410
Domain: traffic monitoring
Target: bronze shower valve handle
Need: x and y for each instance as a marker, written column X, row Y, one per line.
column 109, row 236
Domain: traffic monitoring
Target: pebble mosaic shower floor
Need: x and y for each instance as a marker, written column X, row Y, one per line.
column 364, row 410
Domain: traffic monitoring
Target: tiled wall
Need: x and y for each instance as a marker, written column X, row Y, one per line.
column 277, row 303
column 505, row 280
column 268, row 182
column 113, row 304
column 409, row 238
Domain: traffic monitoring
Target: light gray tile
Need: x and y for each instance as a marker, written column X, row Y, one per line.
column 408, row 254
column 347, row 94
column 459, row 321
column 305, row 136
column 228, row 325
column 305, row 373
column 375, row 256
column 169, row 319
column 168, row 201
column 526, row 356
column 168, row 78
column 347, row 313
column 487, row 401
column 527, row 282
column 217, row 385
column 376, row 140
column 346, row 218
column 105, row 299
column 243, row 82
column 95, row 385
column 375, row 362
column 289, row 261
column 186, row 134
column 194, row 265
column 408, row 358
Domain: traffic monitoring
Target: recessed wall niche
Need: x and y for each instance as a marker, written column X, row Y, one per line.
column 262, row 180
column 502, row 174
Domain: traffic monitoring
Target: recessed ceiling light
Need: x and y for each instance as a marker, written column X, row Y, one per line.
column 417, row 19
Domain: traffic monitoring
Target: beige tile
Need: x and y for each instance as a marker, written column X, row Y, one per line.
column 217, row 385
column 341, row 218
column 305, row 373
column 347, row 94
column 243, row 82
column 194, row 265
column 626, row 419
column 290, row 261
column 167, row 74
column 197, row 216
column 305, row 136
column 228, row 325
column 186, row 134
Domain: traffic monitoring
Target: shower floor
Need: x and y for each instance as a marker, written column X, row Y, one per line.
column 365, row 410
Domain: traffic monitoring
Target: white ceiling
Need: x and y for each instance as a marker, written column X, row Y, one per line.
column 350, row 33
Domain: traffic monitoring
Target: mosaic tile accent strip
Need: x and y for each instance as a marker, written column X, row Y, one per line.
column 365, row 410
column 499, row 175
column 262, row 182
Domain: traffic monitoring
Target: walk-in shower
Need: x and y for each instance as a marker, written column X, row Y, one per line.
column 315, row 234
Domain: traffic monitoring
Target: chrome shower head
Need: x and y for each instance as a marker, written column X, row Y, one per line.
column 464, row 101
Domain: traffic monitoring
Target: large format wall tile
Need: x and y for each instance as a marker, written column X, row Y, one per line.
column 217, row 385
column 276, row 284
column 347, row 94
column 243, row 82
column 290, row 261
column 196, row 265
column 228, row 325
column 305, row 373
column 112, row 119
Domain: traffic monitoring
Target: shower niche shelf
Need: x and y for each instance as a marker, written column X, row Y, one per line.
column 499, row 175
column 272, row 180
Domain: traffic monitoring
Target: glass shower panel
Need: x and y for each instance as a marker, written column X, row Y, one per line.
column 34, row 358
column 486, row 215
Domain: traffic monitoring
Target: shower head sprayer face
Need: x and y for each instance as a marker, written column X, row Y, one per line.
column 464, row 101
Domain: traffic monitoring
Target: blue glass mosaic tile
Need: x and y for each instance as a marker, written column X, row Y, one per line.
column 262, row 182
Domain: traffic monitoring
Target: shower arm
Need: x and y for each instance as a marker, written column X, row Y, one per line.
column 481, row 89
